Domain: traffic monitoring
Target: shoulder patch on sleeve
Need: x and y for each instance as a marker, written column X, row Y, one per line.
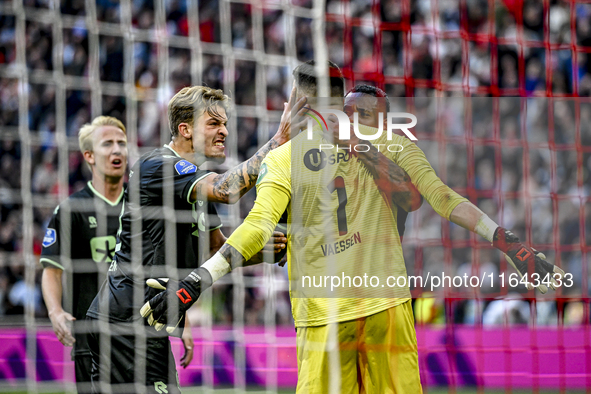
column 262, row 172
column 183, row 167
column 49, row 238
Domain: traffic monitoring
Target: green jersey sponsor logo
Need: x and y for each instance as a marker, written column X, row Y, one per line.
column 262, row 172
column 103, row 248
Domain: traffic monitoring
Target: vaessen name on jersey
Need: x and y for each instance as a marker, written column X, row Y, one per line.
column 341, row 246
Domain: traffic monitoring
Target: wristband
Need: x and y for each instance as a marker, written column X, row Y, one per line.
column 217, row 266
column 485, row 227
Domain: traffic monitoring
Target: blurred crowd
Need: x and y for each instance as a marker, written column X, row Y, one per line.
column 422, row 64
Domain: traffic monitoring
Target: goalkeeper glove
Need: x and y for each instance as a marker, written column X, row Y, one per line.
column 187, row 291
column 524, row 258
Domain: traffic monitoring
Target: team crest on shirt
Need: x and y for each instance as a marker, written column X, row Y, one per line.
column 184, row 167
column 49, row 238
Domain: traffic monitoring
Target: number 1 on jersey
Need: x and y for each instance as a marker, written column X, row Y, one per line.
column 339, row 185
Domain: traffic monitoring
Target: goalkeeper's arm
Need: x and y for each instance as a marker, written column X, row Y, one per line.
column 524, row 259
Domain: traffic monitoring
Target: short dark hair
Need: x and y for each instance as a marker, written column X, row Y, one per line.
column 305, row 78
column 372, row 91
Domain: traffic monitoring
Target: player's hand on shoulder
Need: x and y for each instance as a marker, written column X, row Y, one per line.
column 184, row 293
column 62, row 326
column 293, row 118
column 530, row 263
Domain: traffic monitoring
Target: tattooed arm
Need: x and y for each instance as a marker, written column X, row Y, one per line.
column 235, row 258
column 230, row 186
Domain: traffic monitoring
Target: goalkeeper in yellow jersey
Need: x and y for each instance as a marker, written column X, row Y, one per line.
column 355, row 329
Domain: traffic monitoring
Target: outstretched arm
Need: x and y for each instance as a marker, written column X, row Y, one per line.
column 526, row 260
column 457, row 209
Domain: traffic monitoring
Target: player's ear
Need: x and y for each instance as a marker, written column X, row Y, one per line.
column 185, row 130
column 89, row 157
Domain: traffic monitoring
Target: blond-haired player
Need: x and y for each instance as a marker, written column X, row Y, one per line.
column 80, row 239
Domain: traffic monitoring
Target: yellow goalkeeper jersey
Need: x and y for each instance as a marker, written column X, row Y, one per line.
column 345, row 259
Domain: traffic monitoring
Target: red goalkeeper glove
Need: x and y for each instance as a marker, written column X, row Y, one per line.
column 186, row 292
column 527, row 261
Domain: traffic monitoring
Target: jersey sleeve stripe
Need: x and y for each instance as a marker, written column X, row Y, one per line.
column 193, row 185
column 45, row 262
